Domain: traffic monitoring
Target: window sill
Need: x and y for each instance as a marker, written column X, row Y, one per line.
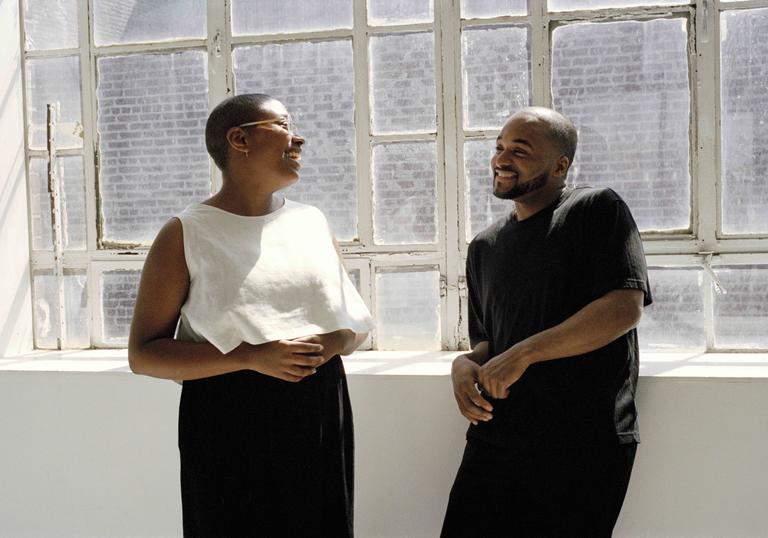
column 412, row 363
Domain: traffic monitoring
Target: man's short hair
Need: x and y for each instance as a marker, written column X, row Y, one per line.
column 227, row 114
column 561, row 130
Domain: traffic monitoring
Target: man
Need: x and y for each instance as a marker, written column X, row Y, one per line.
column 555, row 291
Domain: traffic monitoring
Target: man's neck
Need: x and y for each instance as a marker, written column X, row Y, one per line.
column 528, row 205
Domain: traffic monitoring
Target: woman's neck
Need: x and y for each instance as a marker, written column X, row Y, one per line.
column 245, row 202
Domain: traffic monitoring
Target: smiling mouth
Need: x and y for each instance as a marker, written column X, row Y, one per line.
column 505, row 176
column 294, row 156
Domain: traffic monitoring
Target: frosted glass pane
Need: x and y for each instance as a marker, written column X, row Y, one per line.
column 408, row 310
column 496, row 69
column 354, row 276
column 404, row 193
column 315, row 81
column 118, row 297
column 744, row 66
column 741, row 315
column 50, row 24
column 625, row 87
column 403, row 83
column 47, row 310
column 482, row 207
column 567, row 5
column 253, row 17
column 675, row 320
column 382, row 12
column 152, row 112
column 71, row 177
column 492, row 8
column 57, row 81
column 138, row 21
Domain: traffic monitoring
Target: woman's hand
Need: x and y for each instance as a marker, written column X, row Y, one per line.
column 334, row 343
column 289, row 360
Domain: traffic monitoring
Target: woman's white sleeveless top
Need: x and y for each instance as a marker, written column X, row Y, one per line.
column 259, row 279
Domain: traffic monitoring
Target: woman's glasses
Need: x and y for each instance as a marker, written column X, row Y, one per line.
column 286, row 123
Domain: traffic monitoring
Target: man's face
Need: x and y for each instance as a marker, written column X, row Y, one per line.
column 523, row 160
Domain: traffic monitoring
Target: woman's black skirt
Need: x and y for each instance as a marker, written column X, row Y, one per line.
column 265, row 457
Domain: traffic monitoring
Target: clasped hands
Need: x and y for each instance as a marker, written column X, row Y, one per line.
column 471, row 381
column 296, row 359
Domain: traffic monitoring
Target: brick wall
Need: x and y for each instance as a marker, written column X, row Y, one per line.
column 744, row 98
column 625, row 86
column 152, row 113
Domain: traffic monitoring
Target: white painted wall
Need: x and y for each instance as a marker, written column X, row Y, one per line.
column 15, row 303
column 94, row 454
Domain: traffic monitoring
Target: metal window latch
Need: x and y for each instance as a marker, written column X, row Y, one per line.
column 706, row 264
column 443, row 286
column 217, row 43
column 462, row 286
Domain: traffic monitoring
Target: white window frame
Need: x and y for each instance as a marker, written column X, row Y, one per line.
column 701, row 245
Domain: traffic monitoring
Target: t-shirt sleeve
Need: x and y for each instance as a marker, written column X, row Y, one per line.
column 617, row 258
column 477, row 331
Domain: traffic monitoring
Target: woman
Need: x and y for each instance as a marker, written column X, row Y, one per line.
column 244, row 298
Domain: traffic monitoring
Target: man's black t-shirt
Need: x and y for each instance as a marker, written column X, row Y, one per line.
column 525, row 277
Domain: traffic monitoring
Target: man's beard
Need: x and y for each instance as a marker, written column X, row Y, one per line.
column 519, row 189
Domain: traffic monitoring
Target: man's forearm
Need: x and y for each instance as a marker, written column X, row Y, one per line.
column 594, row 326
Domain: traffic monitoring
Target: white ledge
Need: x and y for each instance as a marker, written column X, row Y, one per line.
column 412, row 363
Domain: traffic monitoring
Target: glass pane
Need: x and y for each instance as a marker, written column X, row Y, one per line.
column 152, row 113
column 496, row 68
column 253, row 17
column 381, row 12
column 404, row 193
column 57, row 81
column 408, row 310
column 50, row 24
column 675, row 320
column 492, row 8
column 741, row 315
column 354, row 276
column 744, row 65
column 118, row 296
column 136, row 21
column 567, row 5
column 47, row 309
column 403, row 83
column 70, row 173
column 625, row 86
column 40, row 203
column 315, row 81
column 482, row 207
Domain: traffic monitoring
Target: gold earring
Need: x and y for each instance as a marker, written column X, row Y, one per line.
column 246, row 154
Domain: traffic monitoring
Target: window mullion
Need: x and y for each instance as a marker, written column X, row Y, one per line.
column 220, row 75
column 541, row 65
column 705, row 96
column 448, row 80
column 362, row 124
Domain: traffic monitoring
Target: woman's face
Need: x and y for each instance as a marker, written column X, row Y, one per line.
column 274, row 151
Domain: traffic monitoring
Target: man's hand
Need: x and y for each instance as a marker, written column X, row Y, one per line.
column 289, row 360
column 502, row 371
column 464, row 374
